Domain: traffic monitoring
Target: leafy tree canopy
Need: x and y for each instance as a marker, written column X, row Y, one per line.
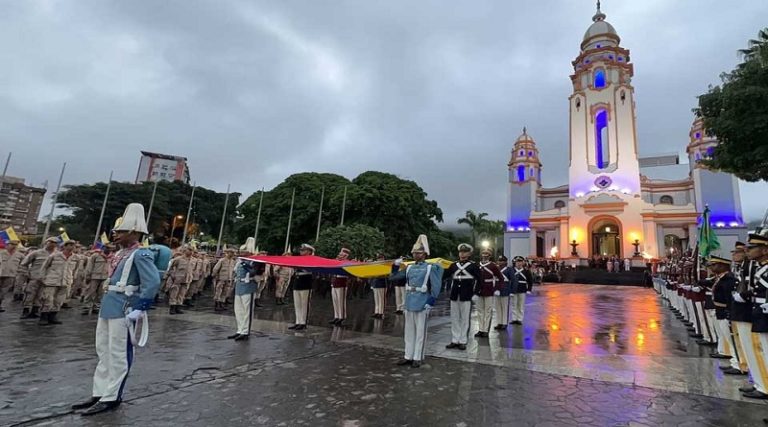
column 736, row 112
column 398, row 208
column 172, row 199
column 364, row 242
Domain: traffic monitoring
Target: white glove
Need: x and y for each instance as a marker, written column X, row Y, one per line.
column 427, row 307
column 737, row 297
column 134, row 315
column 247, row 278
column 475, row 298
column 497, row 293
column 528, row 292
column 686, row 288
column 764, row 307
column 398, row 262
column 696, row 289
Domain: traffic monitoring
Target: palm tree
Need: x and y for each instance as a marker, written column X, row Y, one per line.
column 475, row 222
column 758, row 48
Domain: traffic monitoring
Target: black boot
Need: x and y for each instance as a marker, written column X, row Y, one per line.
column 34, row 313
column 101, row 407
column 43, row 319
column 87, row 404
column 24, row 314
column 178, row 310
column 52, row 318
column 256, row 303
column 172, row 309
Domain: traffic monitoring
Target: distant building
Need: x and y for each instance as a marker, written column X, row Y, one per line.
column 19, row 205
column 162, row 167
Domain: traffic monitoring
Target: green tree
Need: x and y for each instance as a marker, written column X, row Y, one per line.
column 736, row 112
column 364, row 242
column 399, row 208
column 475, row 221
column 171, row 199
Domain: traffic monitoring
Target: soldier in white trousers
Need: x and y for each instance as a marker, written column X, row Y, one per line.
column 133, row 285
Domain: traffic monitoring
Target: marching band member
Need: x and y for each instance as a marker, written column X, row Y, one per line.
column 248, row 274
column 339, row 292
column 502, row 300
column 488, row 287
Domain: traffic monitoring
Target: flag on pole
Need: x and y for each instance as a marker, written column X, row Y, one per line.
column 708, row 242
column 102, row 242
column 63, row 237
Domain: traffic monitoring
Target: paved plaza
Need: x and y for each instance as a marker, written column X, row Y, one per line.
column 586, row 355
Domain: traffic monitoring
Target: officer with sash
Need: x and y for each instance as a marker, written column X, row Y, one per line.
column 521, row 285
column 723, row 283
column 248, row 274
column 741, row 316
column 488, row 288
column 302, row 290
column 423, row 282
column 339, row 292
column 464, row 275
column 502, row 300
column 757, row 252
column 133, row 283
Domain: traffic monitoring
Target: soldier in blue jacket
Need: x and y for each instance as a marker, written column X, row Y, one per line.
column 248, row 274
column 423, row 282
column 133, row 283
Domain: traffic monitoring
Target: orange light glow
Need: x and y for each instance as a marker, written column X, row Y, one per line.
column 554, row 327
column 634, row 236
column 575, row 234
column 653, row 324
column 577, row 341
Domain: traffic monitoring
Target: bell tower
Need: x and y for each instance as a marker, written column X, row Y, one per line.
column 603, row 141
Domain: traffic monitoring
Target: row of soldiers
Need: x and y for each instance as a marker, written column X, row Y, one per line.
column 728, row 309
column 189, row 271
column 45, row 279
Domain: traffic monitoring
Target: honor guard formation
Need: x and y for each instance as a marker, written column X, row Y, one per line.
column 727, row 309
column 724, row 308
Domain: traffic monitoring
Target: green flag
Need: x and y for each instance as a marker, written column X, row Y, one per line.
column 708, row 242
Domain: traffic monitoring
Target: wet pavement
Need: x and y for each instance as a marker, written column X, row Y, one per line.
column 587, row 355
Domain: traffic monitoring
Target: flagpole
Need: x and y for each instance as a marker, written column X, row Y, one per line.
column 53, row 203
column 223, row 217
column 320, row 214
column 5, row 169
column 103, row 208
column 2, row 180
column 189, row 212
column 290, row 219
column 258, row 218
column 151, row 203
column 343, row 205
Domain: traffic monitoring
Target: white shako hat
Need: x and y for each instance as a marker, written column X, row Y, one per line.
column 249, row 246
column 421, row 245
column 132, row 219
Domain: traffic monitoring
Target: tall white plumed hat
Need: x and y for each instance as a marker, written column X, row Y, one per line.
column 421, row 245
column 132, row 219
column 249, row 246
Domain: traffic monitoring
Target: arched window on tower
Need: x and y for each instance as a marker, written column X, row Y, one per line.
column 666, row 200
column 559, row 204
column 599, row 78
column 521, row 173
column 602, row 156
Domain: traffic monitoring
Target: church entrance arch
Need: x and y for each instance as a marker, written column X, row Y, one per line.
column 605, row 236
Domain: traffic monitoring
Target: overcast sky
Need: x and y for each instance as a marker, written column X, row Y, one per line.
column 251, row 92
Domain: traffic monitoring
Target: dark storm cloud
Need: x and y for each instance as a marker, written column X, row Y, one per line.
column 251, row 92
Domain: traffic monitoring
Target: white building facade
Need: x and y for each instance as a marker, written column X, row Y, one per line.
column 611, row 205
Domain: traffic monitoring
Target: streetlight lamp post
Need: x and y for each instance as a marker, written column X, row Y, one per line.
column 173, row 225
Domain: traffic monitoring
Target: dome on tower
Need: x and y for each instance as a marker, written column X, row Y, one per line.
column 600, row 33
column 524, row 136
